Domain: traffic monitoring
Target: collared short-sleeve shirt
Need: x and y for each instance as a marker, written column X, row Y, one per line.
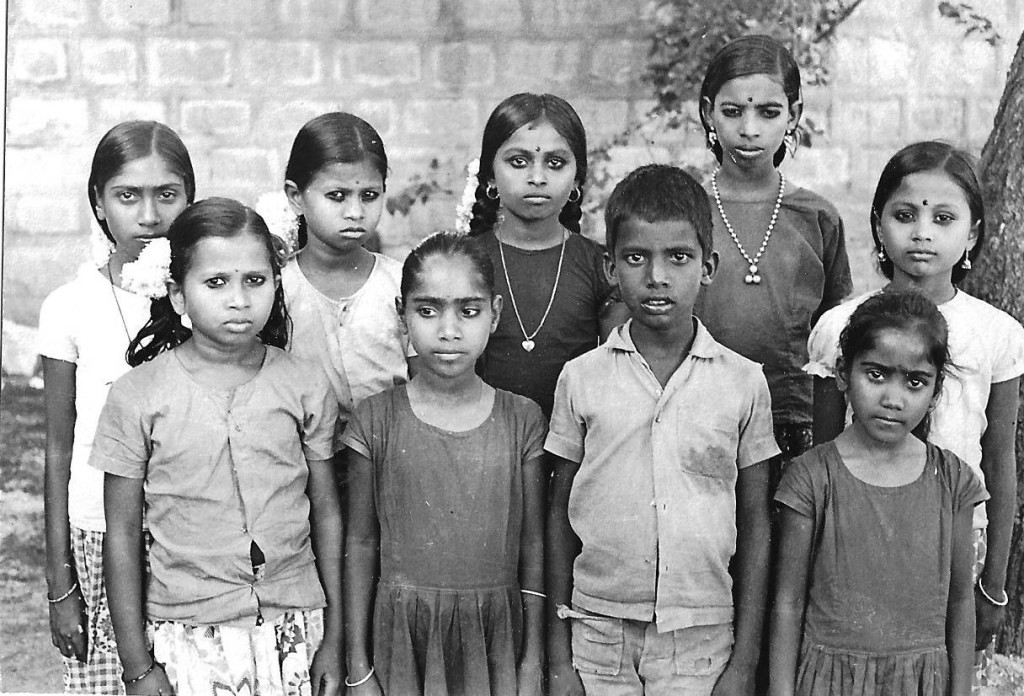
column 654, row 499
column 222, row 469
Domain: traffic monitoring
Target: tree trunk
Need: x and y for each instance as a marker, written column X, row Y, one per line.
column 999, row 280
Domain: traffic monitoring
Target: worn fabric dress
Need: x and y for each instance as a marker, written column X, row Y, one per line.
column 448, row 615
column 879, row 581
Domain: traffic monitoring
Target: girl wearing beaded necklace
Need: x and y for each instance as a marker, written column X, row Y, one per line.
column 784, row 261
column 532, row 169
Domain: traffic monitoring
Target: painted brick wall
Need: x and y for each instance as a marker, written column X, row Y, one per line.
column 237, row 79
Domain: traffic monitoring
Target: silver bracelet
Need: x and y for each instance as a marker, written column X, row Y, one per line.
column 58, row 600
column 362, row 681
column 534, row 593
column 1006, row 597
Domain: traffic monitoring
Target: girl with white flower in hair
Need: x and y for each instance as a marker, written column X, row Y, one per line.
column 226, row 441
column 341, row 296
column 141, row 179
column 526, row 211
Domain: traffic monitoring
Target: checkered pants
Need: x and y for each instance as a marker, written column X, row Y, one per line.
column 101, row 674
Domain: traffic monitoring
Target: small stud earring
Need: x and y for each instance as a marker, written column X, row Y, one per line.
column 791, row 142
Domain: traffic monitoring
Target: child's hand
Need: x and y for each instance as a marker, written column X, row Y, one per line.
column 988, row 617
column 325, row 673
column 564, row 680
column 68, row 626
column 156, row 683
column 734, row 682
column 531, row 678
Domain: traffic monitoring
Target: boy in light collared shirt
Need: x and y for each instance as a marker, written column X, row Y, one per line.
column 660, row 439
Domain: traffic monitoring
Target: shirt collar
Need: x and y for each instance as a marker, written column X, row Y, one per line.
column 704, row 346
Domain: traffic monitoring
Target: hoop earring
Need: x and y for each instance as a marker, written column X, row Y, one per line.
column 882, row 256
column 712, row 138
column 791, row 142
column 579, row 194
column 966, row 263
column 491, row 191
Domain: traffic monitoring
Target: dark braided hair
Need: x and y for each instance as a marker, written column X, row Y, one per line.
column 509, row 116
column 130, row 141
column 329, row 138
column 213, row 217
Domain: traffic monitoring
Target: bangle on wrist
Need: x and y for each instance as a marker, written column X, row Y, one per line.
column 58, row 600
column 533, row 593
column 149, row 670
column 361, row 681
column 988, row 597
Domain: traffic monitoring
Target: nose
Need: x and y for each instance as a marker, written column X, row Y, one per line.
column 149, row 214
column 749, row 124
column 449, row 328
column 656, row 275
column 238, row 296
column 353, row 209
column 893, row 396
column 537, row 174
column 922, row 230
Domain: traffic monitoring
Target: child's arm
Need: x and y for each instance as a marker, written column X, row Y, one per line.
column 998, row 463
column 829, row 410
column 792, row 575
column 960, row 608
column 68, row 621
column 749, row 569
column 531, row 577
column 562, row 549
column 122, row 572
column 362, row 559
column 326, row 673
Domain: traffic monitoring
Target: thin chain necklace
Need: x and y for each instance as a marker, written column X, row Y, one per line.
column 752, row 277
column 528, row 342
column 117, row 303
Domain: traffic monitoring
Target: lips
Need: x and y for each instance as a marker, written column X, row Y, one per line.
column 657, row 305
column 238, row 324
column 748, row 152
column 920, row 254
column 353, row 233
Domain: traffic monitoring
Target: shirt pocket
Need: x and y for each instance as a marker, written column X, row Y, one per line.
column 707, row 443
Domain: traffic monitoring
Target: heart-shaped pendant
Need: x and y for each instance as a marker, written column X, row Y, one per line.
column 528, row 345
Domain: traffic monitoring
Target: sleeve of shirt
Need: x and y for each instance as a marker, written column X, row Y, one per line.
column 823, row 345
column 122, row 444
column 535, row 428
column 567, row 431
column 838, row 281
column 55, row 339
column 320, row 422
column 965, row 485
column 757, row 433
column 1009, row 361
column 358, row 432
column 797, row 490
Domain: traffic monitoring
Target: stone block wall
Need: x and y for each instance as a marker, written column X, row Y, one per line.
column 237, row 80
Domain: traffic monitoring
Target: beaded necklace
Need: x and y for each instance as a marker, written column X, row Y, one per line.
column 752, row 277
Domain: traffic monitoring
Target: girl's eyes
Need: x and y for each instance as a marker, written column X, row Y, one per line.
column 255, row 280
column 556, row 162
column 903, row 216
column 365, row 196
column 168, row 195
column 126, row 196
column 518, row 162
column 216, row 282
column 874, row 375
column 470, row 312
column 768, row 113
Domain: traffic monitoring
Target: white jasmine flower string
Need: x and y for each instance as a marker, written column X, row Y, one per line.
column 149, row 274
column 100, row 246
column 464, row 211
column 281, row 220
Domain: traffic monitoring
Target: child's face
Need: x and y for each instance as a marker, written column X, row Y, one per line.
column 342, row 205
column 449, row 315
column 891, row 386
column 751, row 115
column 228, row 290
column 659, row 269
column 140, row 202
column 534, row 171
column 926, row 226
